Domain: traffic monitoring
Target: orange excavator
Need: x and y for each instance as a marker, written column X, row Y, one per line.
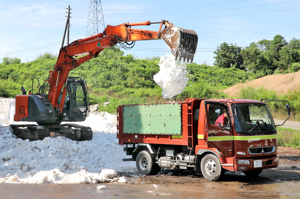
column 64, row 99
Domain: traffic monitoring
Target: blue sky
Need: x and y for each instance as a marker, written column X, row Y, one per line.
column 33, row 27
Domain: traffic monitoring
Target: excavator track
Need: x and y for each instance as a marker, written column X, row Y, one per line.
column 39, row 132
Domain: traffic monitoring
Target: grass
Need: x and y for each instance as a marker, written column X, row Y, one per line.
column 277, row 109
column 288, row 137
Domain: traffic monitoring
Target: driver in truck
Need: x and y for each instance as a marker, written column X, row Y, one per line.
column 222, row 119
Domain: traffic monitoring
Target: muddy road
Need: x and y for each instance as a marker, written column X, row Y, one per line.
column 281, row 182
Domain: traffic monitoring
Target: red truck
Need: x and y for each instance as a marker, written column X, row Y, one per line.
column 208, row 135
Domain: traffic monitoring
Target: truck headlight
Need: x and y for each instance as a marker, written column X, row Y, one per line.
column 243, row 162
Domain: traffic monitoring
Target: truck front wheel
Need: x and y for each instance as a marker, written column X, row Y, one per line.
column 211, row 167
column 145, row 164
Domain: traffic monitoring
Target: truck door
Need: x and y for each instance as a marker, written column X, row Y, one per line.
column 219, row 128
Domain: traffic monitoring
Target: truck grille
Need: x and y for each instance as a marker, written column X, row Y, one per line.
column 260, row 150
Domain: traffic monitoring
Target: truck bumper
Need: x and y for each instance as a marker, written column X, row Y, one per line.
column 248, row 164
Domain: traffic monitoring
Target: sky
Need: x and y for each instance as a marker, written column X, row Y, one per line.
column 33, row 27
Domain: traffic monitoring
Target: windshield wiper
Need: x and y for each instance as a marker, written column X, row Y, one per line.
column 258, row 126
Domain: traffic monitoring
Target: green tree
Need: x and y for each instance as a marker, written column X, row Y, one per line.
column 264, row 44
column 251, row 56
column 276, row 46
column 294, row 44
column 228, row 56
column 288, row 56
column 7, row 60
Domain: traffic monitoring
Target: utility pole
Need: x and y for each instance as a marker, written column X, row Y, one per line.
column 67, row 28
column 95, row 22
column 68, row 33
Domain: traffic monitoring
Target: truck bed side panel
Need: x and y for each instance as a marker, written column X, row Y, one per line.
column 157, row 119
column 152, row 124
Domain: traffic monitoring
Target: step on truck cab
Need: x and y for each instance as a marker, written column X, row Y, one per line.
column 207, row 135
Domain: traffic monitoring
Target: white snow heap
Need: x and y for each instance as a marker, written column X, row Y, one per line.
column 7, row 111
column 61, row 160
column 172, row 77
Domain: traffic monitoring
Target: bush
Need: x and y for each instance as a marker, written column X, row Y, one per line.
column 288, row 137
column 257, row 94
column 295, row 67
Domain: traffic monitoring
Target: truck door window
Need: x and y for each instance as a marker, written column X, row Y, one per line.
column 217, row 115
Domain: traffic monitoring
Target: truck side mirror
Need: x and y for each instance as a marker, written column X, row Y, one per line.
column 288, row 109
column 287, row 106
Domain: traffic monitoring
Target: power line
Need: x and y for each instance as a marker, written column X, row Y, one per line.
column 202, row 11
column 30, row 49
column 31, row 26
column 199, row 5
column 221, row 16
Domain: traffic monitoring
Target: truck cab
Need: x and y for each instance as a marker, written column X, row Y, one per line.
column 247, row 141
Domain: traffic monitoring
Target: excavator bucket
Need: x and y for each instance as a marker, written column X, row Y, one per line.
column 182, row 42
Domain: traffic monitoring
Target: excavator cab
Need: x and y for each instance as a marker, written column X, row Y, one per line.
column 76, row 102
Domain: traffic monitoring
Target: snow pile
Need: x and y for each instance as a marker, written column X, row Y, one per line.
column 7, row 111
column 171, row 77
column 61, row 160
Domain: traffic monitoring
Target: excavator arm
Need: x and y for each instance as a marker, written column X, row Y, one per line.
column 63, row 98
column 182, row 42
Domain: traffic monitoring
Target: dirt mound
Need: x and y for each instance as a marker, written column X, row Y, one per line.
column 279, row 83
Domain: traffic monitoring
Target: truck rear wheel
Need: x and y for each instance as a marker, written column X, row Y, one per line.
column 145, row 164
column 211, row 167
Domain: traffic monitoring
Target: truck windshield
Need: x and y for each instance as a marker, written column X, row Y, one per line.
column 253, row 118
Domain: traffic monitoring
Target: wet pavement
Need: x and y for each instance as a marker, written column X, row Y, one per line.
column 275, row 183
column 281, row 182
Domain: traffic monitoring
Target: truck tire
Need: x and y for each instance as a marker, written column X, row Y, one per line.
column 252, row 174
column 211, row 167
column 145, row 164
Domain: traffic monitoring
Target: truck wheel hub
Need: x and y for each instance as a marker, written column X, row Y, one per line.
column 210, row 167
column 144, row 163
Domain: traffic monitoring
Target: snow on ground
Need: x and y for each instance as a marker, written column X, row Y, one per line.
column 61, row 160
column 171, row 77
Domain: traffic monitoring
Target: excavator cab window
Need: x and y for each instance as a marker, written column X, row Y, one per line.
column 76, row 103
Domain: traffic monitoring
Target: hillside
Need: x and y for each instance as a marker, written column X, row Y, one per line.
column 279, row 83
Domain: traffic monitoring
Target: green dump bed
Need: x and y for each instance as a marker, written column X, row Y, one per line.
column 152, row 119
column 170, row 124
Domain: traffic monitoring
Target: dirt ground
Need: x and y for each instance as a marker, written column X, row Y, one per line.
column 281, row 182
column 279, row 83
